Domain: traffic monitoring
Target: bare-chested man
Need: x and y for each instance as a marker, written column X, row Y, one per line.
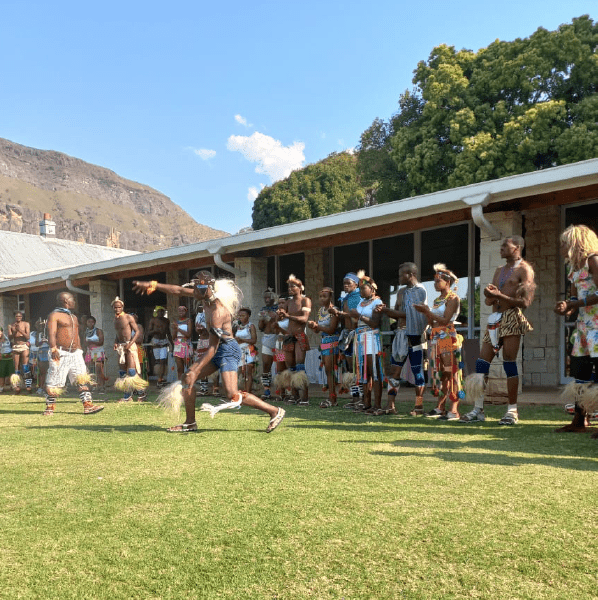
column 511, row 291
column 296, row 344
column 158, row 333
column 66, row 356
column 221, row 301
column 267, row 325
column 18, row 334
column 125, row 343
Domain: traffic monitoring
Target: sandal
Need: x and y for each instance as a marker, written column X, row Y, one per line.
column 435, row 412
column 379, row 412
column 391, row 411
column 276, row 420
column 417, row 411
column 183, row 428
column 325, row 404
column 510, row 418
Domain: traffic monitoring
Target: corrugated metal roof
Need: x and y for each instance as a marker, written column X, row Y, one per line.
column 23, row 254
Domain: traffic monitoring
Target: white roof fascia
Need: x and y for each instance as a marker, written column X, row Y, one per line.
column 498, row 190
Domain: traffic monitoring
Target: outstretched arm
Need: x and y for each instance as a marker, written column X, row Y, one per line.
column 149, row 287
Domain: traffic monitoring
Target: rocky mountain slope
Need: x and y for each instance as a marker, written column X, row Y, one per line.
column 89, row 203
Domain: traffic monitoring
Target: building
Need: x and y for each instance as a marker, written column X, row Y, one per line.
column 461, row 227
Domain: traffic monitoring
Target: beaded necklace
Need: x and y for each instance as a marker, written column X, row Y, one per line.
column 504, row 278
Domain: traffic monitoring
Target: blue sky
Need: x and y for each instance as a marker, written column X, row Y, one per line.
column 209, row 101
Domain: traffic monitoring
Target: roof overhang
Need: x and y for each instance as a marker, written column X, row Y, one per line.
column 480, row 195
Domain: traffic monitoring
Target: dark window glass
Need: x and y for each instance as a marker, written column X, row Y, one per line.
column 347, row 259
column 290, row 264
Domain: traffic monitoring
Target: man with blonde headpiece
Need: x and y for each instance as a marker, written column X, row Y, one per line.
column 579, row 248
column 511, row 292
column 159, row 335
column 125, row 343
column 296, row 344
column 221, row 300
column 66, row 356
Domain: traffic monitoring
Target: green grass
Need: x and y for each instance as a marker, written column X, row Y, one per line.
column 331, row 505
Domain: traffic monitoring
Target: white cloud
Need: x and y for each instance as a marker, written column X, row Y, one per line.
column 253, row 192
column 204, row 153
column 242, row 121
column 272, row 158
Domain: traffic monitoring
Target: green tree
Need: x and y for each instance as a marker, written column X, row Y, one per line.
column 326, row 187
column 510, row 108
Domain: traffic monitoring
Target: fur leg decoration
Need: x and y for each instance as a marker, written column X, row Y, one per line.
column 85, row 379
column 299, row 380
column 474, row 386
column 581, row 394
column 130, row 383
column 589, row 401
column 171, row 398
column 56, row 391
column 235, row 402
column 348, row 380
column 15, row 382
column 283, row 380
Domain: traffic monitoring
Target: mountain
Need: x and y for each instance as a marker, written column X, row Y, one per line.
column 89, row 203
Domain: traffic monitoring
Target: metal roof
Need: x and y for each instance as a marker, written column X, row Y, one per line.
column 23, row 254
column 564, row 177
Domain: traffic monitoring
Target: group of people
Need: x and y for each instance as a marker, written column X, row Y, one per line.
column 351, row 350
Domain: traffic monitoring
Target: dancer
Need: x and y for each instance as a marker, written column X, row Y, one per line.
column 246, row 337
column 267, row 325
column 202, row 345
column 66, row 357
column 579, row 248
column 94, row 352
column 181, row 333
column 18, row 334
column 415, row 325
column 158, row 333
column 296, row 344
column 7, row 365
column 368, row 345
column 349, row 302
column 43, row 350
column 445, row 345
column 511, row 292
column 327, row 325
column 125, row 343
column 221, row 299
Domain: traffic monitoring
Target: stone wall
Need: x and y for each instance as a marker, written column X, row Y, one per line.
column 100, row 307
column 541, row 351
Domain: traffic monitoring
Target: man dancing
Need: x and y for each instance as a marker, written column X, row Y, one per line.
column 66, row 356
column 159, row 334
column 221, row 300
column 267, row 325
column 125, row 343
column 295, row 343
column 19, row 333
column 511, row 291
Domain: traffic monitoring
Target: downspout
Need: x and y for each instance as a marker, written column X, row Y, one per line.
column 477, row 204
column 72, row 288
column 216, row 253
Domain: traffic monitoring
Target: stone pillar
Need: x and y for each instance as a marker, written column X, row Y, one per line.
column 542, row 345
column 173, row 302
column 100, row 307
column 253, row 284
column 316, row 268
column 8, row 306
column 508, row 223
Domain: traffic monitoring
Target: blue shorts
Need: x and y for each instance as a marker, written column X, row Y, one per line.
column 228, row 356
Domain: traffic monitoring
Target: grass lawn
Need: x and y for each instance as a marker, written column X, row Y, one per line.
column 331, row 505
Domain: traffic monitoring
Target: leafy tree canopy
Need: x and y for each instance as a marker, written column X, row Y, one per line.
column 510, row 108
column 326, row 187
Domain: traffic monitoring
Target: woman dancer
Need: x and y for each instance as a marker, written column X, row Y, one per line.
column 246, row 337
column 327, row 325
column 579, row 247
column 368, row 352
column 94, row 352
column 445, row 345
column 181, row 333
